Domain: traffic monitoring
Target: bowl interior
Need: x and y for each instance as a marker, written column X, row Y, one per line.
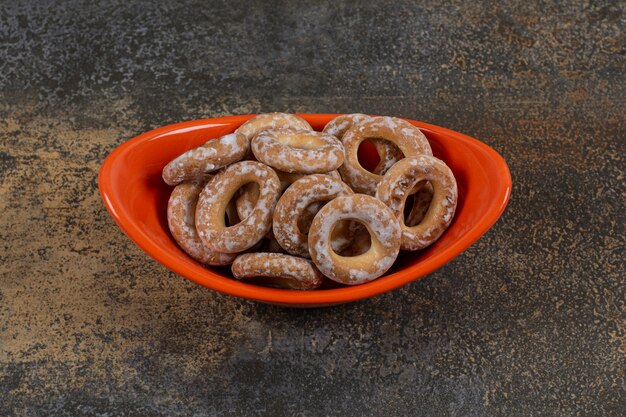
column 136, row 196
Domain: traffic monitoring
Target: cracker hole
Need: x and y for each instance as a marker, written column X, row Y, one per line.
column 417, row 204
column 360, row 242
column 367, row 155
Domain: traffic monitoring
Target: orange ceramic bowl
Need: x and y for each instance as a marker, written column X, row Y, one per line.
column 136, row 196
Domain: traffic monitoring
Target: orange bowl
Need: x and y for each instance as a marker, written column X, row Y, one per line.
column 135, row 195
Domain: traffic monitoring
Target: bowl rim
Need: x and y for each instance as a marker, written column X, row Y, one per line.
column 296, row 297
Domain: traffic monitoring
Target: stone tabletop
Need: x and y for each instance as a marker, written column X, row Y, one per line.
column 530, row 321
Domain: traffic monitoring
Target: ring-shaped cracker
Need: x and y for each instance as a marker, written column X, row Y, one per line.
column 382, row 225
column 301, row 151
column 388, row 153
column 277, row 270
column 181, row 213
column 401, row 179
column 404, row 135
column 215, row 197
column 210, row 156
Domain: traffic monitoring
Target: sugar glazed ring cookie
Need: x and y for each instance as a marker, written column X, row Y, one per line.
column 382, row 225
column 302, row 151
column 398, row 183
column 388, row 153
column 217, row 194
column 181, row 213
column 272, row 121
column 404, row 135
column 277, row 270
column 293, row 204
column 211, row 156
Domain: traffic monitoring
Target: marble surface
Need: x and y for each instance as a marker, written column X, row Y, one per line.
column 530, row 321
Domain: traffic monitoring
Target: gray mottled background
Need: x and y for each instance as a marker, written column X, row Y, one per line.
column 530, row 321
